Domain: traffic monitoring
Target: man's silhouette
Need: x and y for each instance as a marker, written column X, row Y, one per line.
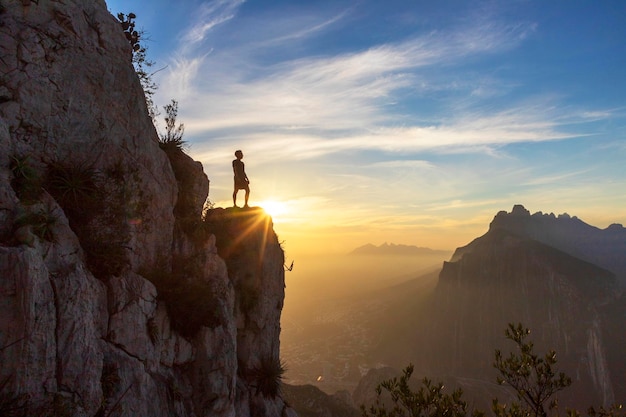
column 241, row 179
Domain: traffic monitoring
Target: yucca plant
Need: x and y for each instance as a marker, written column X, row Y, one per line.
column 269, row 376
column 75, row 187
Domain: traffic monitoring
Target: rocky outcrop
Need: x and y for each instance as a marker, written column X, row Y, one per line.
column 602, row 247
column 117, row 297
column 506, row 277
column 310, row 401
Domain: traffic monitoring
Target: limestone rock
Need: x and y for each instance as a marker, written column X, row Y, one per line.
column 116, row 297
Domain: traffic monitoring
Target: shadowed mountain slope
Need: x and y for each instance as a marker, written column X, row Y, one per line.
column 571, row 305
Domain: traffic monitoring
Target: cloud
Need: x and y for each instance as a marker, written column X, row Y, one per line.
column 307, row 30
column 179, row 80
column 209, row 15
column 308, row 107
column 412, row 163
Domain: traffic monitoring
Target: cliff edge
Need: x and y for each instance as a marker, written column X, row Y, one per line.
column 118, row 295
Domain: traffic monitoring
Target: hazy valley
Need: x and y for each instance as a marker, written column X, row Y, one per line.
column 447, row 315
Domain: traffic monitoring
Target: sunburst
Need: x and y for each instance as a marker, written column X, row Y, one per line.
column 275, row 208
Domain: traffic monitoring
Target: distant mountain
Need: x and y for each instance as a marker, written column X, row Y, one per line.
column 536, row 270
column 396, row 250
column 603, row 247
column 557, row 275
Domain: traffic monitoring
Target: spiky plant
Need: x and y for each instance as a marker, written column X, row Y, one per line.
column 269, row 376
column 75, row 187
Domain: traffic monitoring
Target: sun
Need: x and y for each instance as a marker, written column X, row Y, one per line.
column 274, row 208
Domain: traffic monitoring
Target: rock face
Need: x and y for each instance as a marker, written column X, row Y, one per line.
column 117, row 297
column 310, row 401
column 603, row 247
column 510, row 276
column 556, row 275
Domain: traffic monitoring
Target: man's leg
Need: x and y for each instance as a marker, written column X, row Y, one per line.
column 235, row 198
column 247, row 195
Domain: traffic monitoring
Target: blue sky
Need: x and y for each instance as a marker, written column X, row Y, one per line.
column 409, row 122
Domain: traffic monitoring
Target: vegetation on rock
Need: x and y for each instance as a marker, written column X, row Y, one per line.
column 268, row 376
column 172, row 139
column 532, row 377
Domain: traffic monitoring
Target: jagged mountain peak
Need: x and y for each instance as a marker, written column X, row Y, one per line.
column 603, row 247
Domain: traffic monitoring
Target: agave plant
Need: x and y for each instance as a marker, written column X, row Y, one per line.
column 269, row 376
column 75, row 187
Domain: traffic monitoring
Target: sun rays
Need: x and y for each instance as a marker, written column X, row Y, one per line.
column 275, row 208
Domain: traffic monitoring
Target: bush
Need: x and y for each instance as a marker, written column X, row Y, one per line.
column 532, row 377
column 269, row 376
column 172, row 140
column 428, row 401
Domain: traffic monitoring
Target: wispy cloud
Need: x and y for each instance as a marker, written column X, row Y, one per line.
column 302, row 108
column 319, row 105
column 209, row 15
column 306, row 31
column 413, row 163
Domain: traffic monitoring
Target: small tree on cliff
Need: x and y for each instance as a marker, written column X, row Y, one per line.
column 532, row 377
column 140, row 60
column 173, row 136
column 428, row 401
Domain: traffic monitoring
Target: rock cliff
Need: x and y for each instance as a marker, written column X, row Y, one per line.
column 118, row 297
column 556, row 275
column 509, row 276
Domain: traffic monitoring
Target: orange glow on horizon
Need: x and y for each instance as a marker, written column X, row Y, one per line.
column 275, row 208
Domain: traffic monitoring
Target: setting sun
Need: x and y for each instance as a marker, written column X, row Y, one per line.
column 274, row 208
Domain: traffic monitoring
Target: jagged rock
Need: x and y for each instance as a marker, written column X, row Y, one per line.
column 132, row 304
column 503, row 278
column 603, row 247
column 116, row 298
column 28, row 322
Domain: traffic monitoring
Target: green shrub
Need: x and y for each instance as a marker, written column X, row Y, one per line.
column 532, row 378
column 429, row 400
column 172, row 140
column 96, row 210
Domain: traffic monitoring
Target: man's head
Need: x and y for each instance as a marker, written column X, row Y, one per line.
column 238, row 154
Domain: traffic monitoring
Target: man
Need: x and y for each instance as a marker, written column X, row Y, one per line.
column 241, row 179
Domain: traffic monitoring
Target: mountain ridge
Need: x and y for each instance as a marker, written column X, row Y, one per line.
column 395, row 250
